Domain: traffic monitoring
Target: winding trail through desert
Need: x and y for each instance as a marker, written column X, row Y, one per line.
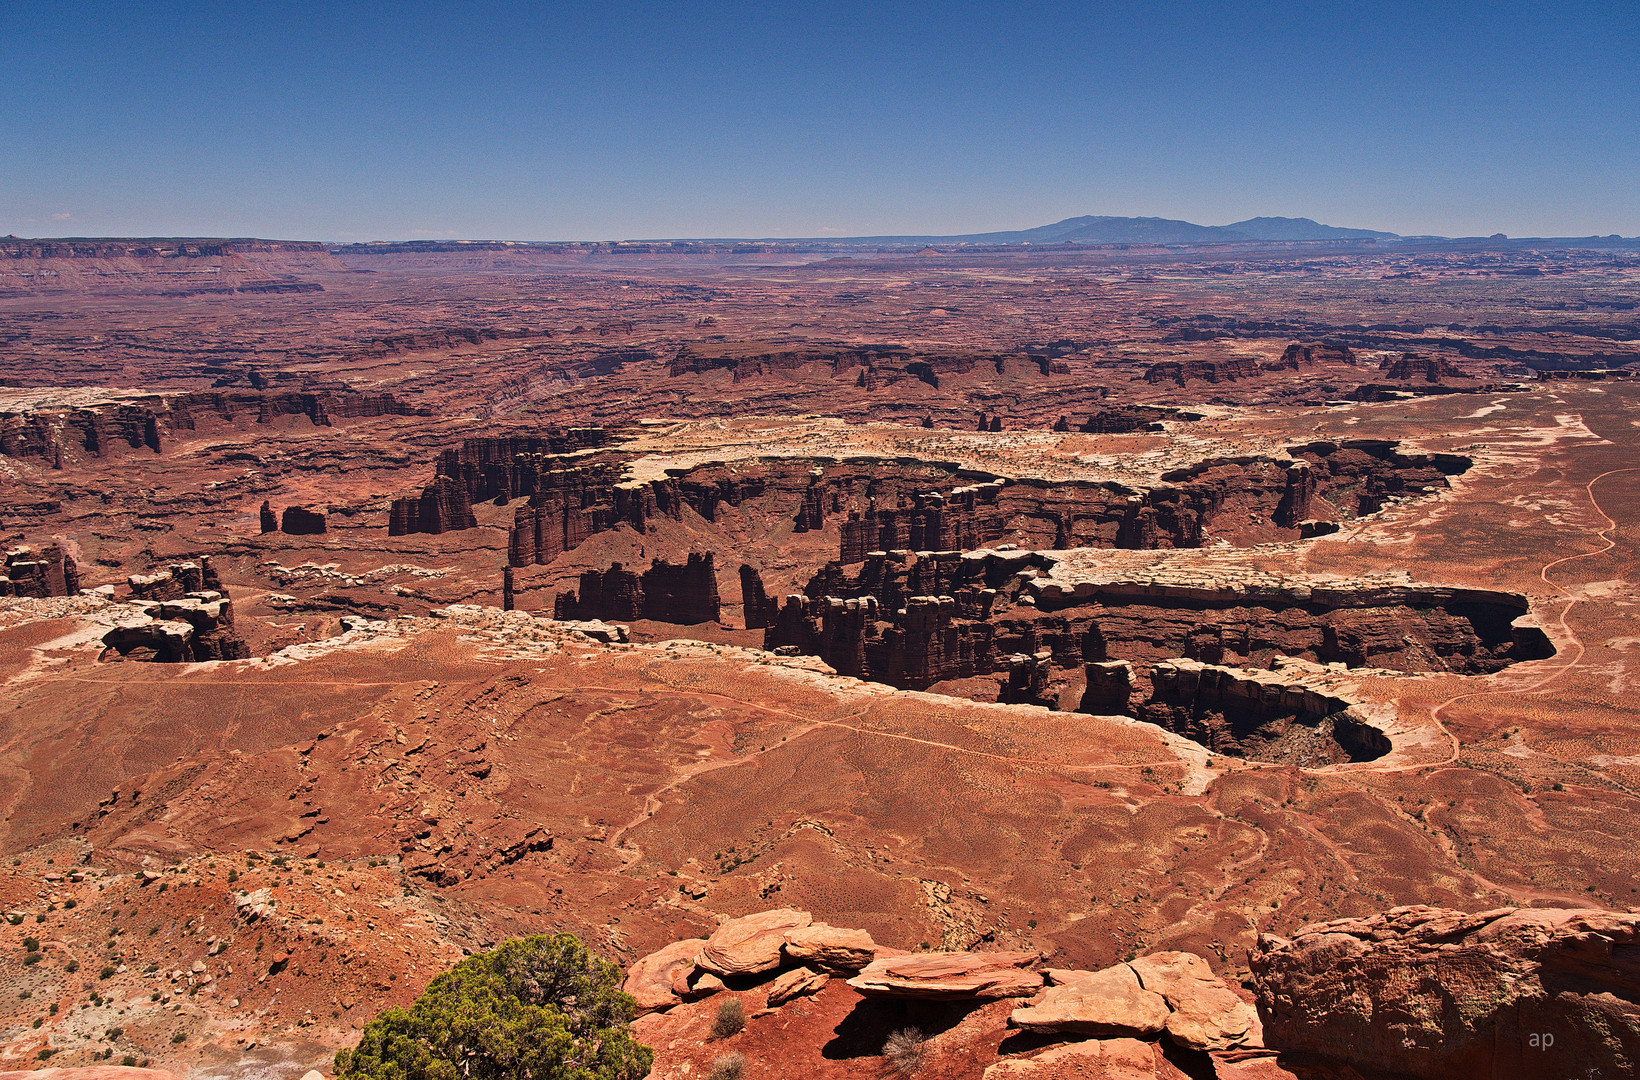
column 1565, row 628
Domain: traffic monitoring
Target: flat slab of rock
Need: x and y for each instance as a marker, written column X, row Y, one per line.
column 751, row 943
column 1091, row 1059
column 1206, row 1014
column 983, row 976
column 795, row 984
column 654, row 981
column 1108, row 1002
column 831, row 948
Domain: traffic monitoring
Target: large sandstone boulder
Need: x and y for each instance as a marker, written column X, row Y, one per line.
column 795, row 983
column 1205, row 1014
column 1444, row 995
column 750, row 944
column 983, row 976
column 1175, row 992
column 1108, row 1002
column 831, row 948
column 660, row 980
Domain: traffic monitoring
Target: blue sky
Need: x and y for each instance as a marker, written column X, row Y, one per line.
column 621, row 120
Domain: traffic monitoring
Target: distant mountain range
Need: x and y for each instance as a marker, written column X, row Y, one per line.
column 1145, row 230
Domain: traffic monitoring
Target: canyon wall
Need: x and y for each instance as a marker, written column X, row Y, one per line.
column 50, row 571
column 147, row 422
column 167, row 267
column 665, row 592
column 441, row 507
column 912, row 620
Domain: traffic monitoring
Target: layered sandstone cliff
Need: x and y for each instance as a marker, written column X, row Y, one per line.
column 148, row 423
column 50, row 571
column 441, row 507
column 182, row 614
column 665, row 593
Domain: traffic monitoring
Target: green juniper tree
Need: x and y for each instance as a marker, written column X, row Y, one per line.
column 540, row 1008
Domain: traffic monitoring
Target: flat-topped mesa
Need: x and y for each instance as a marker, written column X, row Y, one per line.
column 50, row 571
column 567, row 503
column 1127, row 419
column 1300, row 355
column 873, row 369
column 167, row 267
column 442, row 507
column 960, row 520
column 322, row 407
column 1212, row 371
column 685, row 594
column 1320, row 481
column 1416, row 366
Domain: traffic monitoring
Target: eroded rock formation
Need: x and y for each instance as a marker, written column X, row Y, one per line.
column 51, row 571
column 664, row 592
column 179, row 615
column 913, row 620
column 300, row 521
column 442, row 507
column 1300, row 355
column 759, row 608
column 508, row 466
column 1212, row 371
column 1446, row 995
column 149, row 422
column 1410, row 366
column 1267, row 715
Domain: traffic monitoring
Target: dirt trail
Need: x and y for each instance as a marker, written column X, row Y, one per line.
column 1565, row 627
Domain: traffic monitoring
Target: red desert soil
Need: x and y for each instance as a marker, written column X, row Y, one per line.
column 259, row 855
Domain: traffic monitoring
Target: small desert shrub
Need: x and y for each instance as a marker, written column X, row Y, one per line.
column 728, row 1067
column 128, row 1061
column 730, row 1018
column 904, row 1051
column 179, row 1037
column 31, row 944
